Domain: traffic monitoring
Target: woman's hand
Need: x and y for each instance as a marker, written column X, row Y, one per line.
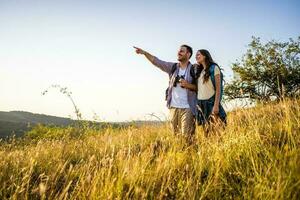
column 215, row 110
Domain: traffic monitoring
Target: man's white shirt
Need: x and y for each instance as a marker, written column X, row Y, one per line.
column 179, row 95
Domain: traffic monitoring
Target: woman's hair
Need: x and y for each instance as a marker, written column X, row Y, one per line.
column 208, row 61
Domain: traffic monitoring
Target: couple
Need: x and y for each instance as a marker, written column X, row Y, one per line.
column 194, row 91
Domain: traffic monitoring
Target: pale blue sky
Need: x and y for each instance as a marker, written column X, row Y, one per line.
column 87, row 47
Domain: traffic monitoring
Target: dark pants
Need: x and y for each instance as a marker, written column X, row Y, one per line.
column 204, row 111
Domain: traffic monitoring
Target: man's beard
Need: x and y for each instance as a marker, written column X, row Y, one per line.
column 182, row 59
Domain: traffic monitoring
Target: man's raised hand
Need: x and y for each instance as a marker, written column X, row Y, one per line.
column 139, row 50
column 145, row 53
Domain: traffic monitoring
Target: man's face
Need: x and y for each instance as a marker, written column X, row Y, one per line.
column 183, row 54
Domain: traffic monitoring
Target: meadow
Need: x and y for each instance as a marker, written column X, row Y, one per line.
column 257, row 156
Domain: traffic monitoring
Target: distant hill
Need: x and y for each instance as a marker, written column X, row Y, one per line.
column 18, row 122
column 28, row 117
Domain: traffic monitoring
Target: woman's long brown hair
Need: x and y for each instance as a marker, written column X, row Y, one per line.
column 208, row 61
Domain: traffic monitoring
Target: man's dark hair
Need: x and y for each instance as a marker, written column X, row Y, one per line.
column 188, row 48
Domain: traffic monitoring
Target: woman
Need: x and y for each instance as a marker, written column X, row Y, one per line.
column 210, row 109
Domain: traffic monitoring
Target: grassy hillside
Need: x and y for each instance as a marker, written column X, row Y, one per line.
column 256, row 157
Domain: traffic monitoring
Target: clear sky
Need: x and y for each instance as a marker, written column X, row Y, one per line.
column 87, row 46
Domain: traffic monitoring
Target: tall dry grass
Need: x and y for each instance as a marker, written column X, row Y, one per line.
column 257, row 156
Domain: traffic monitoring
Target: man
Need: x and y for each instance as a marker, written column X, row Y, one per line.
column 181, row 93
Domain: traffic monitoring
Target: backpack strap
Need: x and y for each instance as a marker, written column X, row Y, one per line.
column 212, row 77
column 173, row 69
column 174, row 66
column 193, row 73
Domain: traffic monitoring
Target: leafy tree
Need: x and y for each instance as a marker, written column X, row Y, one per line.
column 267, row 71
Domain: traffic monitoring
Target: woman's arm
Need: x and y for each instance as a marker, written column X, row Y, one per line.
column 217, row 95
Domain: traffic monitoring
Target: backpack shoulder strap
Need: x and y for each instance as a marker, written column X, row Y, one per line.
column 193, row 71
column 212, row 74
column 212, row 77
column 174, row 66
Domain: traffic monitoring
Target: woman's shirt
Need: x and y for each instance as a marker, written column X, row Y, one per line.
column 206, row 90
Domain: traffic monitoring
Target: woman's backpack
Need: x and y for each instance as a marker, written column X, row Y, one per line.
column 212, row 77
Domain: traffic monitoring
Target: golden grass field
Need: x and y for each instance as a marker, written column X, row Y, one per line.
column 257, row 156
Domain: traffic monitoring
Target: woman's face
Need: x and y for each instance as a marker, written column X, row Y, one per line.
column 199, row 57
